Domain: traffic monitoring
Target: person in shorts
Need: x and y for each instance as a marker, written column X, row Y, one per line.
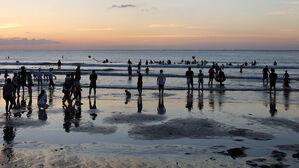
column 161, row 79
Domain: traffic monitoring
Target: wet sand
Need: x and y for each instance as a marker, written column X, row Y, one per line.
column 209, row 129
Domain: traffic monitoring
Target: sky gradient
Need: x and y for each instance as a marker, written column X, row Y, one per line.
column 149, row 24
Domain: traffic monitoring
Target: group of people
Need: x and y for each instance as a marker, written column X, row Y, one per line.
column 22, row 79
column 270, row 75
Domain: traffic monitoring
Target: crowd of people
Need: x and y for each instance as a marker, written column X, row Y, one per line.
column 72, row 88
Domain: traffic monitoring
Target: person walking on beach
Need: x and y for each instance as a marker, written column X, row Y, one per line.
column 200, row 80
column 211, row 75
column 93, row 82
column 273, row 78
column 161, row 79
column 189, row 75
column 139, row 83
column 265, row 74
column 8, row 95
column 51, row 76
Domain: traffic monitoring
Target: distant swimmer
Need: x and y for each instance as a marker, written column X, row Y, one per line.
column 220, row 77
column 139, row 83
column 211, row 75
column 161, row 79
column 189, row 75
column 200, row 80
column 273, row 78
column 93, row 82
column 265, row 74
column 146, row 70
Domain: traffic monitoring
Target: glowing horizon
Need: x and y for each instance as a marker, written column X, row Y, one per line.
column 143, row 24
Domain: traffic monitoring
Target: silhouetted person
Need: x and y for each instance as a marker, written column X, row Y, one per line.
column 273, row 109
column 128, row 96
column 23, row 74
column 286, row 79
column 59, row 64
column 273, row 78
column 139, row 104
column 130, row 70
column 93, row 82
column 39, row 76
column 274, row 63
column 200, row 80
column 67, row 89
column 16, row 83
column 161, row 108
column 161, row 79
column 8, row 95
column 129, row 62
column 220, row 77
column 77, row 91
column 189, row 75
column 266, row 74
column 139, row 83
column 51, row 77
column 78, row 74
column 6, row 74
column 42, row 100
column 241, row 68
column 29, row 83
column 146, row 70
column 211, row 75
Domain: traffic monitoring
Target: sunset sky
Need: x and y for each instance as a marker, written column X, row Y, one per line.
column 149, row 24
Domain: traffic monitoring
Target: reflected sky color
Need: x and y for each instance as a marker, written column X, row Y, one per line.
column 149, row 24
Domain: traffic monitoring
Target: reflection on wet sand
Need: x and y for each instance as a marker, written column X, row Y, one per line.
column 286, row 100
column 72, row 115
column 92, row 108
column 211, row 100
column 200, row 101
column 161, row 108
column 139, row 104
column 220, row 99
column 189, row 103
column 9, row 133
column 272, row 103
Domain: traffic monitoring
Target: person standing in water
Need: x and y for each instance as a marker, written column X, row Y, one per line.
column 51, row 83
column 139, row 83
column 59, row 64
column 265, row 74
column 273, row 78
column 161, row 79
column 189, row 75
column 286, row 79
column 211, row 75
column 93, row 82
column 200, row 80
